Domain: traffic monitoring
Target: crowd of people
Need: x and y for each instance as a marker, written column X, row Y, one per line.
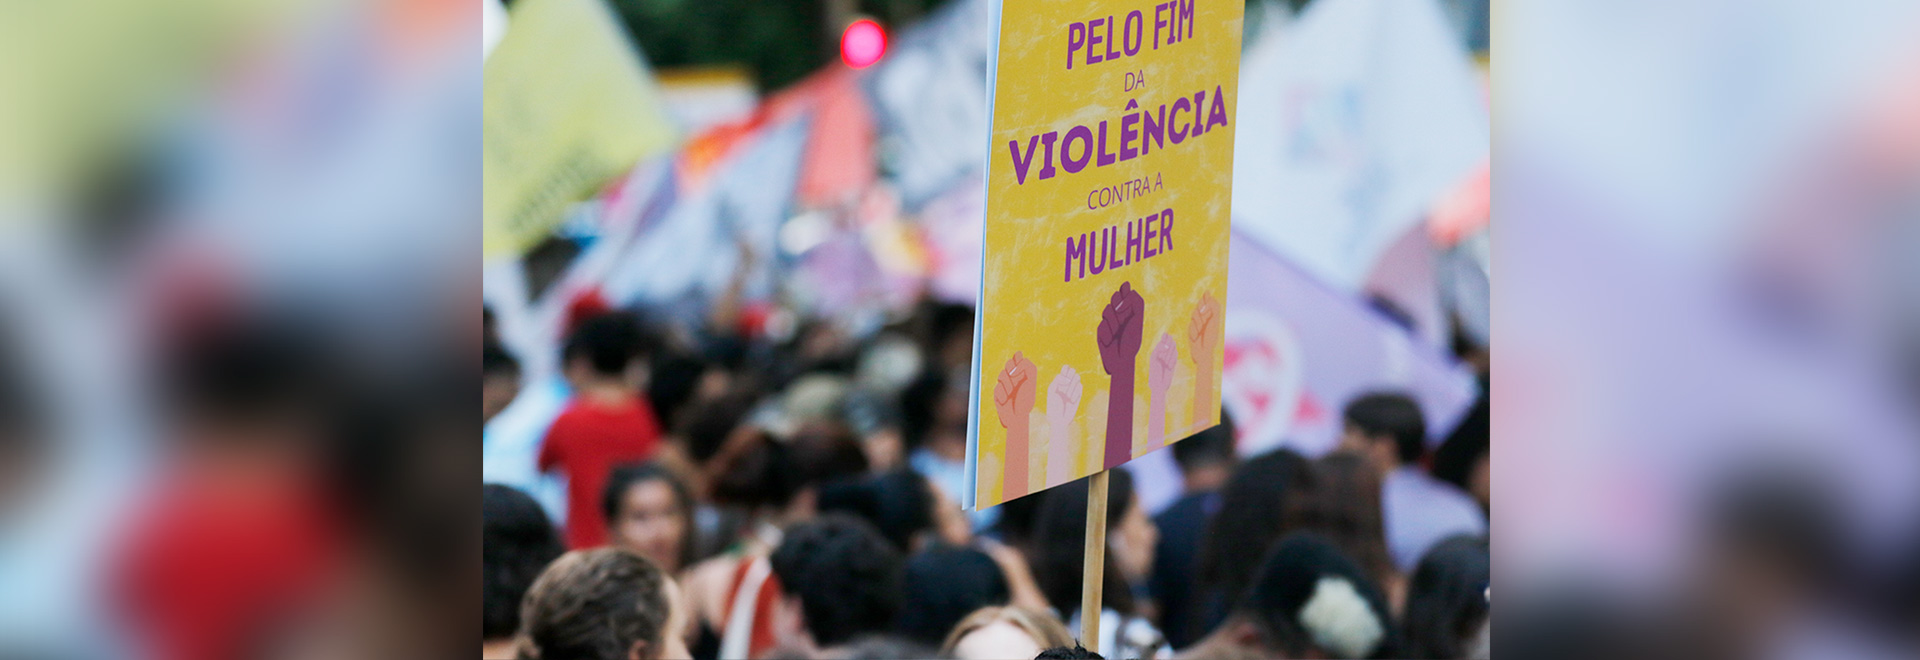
column 736, row 491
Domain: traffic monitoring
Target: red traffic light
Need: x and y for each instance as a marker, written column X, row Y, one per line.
column 862, row 44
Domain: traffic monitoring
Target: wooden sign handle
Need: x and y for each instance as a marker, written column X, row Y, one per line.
column 1092, row 574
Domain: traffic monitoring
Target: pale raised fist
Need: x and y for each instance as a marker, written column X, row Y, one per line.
column 1013, row 394
column 1160, row 365
column 1063, row 396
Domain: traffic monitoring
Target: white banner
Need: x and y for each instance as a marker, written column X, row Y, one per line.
column 1353, row 120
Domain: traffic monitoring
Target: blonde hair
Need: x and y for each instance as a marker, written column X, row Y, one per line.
column 1045, row 629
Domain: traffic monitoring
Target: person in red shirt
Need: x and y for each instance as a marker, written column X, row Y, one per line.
column 606, row 424
column 239, row 540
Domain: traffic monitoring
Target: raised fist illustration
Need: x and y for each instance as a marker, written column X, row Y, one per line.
column 1120, row 326
column 1203, row 339
column 1202, row 329
column 1159, row 377
column 1063, row 405
column 1013, row 393
column 1160, row 365
column 1013, row 400
column 1121, row 323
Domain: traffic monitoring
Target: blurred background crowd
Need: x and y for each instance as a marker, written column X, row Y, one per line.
column 800, row 496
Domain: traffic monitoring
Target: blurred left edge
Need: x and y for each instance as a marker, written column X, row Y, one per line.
column 238, row 296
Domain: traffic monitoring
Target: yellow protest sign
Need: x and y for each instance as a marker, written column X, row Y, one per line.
column 1109, row 175
column 568, row 105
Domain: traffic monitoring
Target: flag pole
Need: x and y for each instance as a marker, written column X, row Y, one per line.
column 1092, row 574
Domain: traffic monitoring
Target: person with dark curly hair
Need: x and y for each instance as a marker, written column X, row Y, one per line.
column 1262, row 501
column 734, row 593
column 1078, row 652
column 1308, row 600
column 906, row 508
column 516, row 542
column 840, row 580
column 602, row 604
column 1447, row 599
column 944, row 584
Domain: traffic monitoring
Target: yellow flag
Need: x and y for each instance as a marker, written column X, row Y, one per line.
column 568, row 105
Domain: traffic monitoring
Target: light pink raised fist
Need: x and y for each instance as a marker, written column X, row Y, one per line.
column 1063, row 406
column 1160, row 365
column 1063, row 395
column 1159, row 377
